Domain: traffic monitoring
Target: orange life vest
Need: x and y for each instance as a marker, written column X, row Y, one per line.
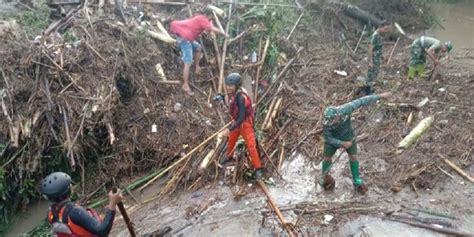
column 234, row 109
column 63, row 226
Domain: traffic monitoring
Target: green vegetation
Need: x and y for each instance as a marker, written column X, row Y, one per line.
column 34, row 22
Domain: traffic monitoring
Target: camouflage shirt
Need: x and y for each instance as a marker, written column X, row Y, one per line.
column 428, row 43
column 337, row 126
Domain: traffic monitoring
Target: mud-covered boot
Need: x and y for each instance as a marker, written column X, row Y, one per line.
column 328, row 182
column 362, row 189
column 357, row 181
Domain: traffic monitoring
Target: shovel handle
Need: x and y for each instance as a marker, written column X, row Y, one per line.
column 125, row 215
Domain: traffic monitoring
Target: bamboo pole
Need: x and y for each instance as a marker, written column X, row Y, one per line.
column 269, row 112
column 358, row 42
column 259, row 68
column 275, row 208
column 294, row 26
column 183, row 158
column 393, row 50
column 274, row 113
column 459, row 170
column 224, row 51
column 282, row 154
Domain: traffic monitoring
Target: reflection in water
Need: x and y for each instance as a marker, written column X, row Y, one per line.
column 458, row 21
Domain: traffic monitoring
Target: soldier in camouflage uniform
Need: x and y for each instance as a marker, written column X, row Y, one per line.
column 338, row 132
column 420, row 48
column 375, row 57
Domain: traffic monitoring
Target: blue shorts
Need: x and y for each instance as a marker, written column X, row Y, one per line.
column 187, row 49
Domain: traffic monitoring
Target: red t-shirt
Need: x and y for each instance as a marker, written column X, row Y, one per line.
column 191, row 28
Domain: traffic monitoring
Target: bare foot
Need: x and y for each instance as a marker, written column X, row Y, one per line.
column 187, row 89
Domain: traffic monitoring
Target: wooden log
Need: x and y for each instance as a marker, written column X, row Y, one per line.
column 459, row 170
column 360, row 15
column 184, row 157
column 411, row 138
column 275, row 208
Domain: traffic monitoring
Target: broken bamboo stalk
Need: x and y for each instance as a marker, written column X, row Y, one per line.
column 413, row 136
column 393, row 50
column 276, row 108
column 259, row 68
column 280, row 75
column 205, row 161
column 294, row 26
column 282, row 155
column 269, row 112
column 278, row 134
column 448, row 231
column 184, row 157
column 360, row 38
column 269, row 159
column 459, row 170
column 224, row 52
column 275, row 208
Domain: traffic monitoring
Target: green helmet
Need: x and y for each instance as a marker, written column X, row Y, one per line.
column 449, row 46
column 233, row 79
column 56, row 186
column 330, row 112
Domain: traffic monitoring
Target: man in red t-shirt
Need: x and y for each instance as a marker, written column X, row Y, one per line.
column 187, row 32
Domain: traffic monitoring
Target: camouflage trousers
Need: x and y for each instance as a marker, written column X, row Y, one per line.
column 418, row 55
column 373, row 71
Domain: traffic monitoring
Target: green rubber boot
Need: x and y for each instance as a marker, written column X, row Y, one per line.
column 355, row 172
column 326, row 166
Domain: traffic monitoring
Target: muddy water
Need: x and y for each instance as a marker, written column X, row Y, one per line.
column 458, row 21
column 29, row 219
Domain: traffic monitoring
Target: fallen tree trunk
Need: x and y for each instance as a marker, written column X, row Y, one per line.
column 360, row 15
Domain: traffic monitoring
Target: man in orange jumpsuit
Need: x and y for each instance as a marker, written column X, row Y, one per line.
column 240, row 106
